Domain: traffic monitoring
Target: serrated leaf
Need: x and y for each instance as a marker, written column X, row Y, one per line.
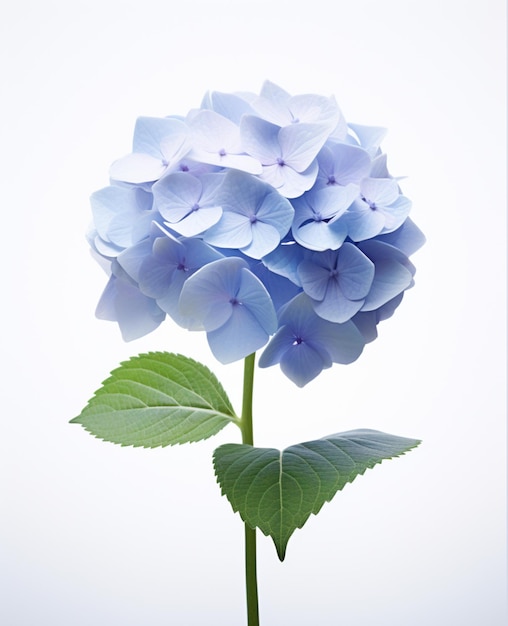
column 158, row 399
column 276, row 491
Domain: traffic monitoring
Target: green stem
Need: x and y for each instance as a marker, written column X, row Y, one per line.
column 250, row 533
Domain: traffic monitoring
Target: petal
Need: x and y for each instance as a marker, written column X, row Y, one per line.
column 408, row 238
column 381, row 191
column 176, row 194
column 390, row 279
column 265, row 238
column 198, row 221
column 151, row 132
column 136, row 314
column 137, row 168
column 208, row 294
column 233, row 230
column 363, row 222
column 287, row 181
column 314, row 279
column 321, row 235
column 396, row 213
column 345, row 163
column 355, row 272
column 238, row 337
column 301, row 363
column 212, row 132
column 335, row 307
column 252, row 295
column 260, row 139
column 344, row 342
column 300, row 144
column 278, row 345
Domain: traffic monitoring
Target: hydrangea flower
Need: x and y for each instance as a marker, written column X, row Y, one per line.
column 266, row 221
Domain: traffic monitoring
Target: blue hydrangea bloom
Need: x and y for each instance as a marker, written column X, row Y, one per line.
column 265, row 220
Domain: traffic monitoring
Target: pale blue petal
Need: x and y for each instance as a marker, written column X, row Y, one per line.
column 277, row 347
column 314, row 279
column 281, row 289
column 315, row 109
column 342, row 164
column 212, row 132
column 287, row 181
column 355, row 272
column 300, row 144
column 176, row 194
column 260, row 139
column 335, row 307
column 265, row 238
column 284, row 260
column 301, row 363
column 319, row 235
column 408, row 238
column 131, row 259
column 198, row 221
column 137, row 168
column 390, row 279
column 379, row 167
column 242, row 193
column 230, row 105
column 208, row 294
column 396, row 214
column 252, row 295
column 363, row 222
column 380, row 191
column 344, row 342
column 150, row 132
column 274, row 93
column 135, row 314
column 238, row 337
column 369, row 137
column 233, row 230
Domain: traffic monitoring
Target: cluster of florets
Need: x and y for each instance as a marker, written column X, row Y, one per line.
column 265, row 220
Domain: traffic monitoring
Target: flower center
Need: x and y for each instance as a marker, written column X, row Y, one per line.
column 372, row 205
column 331, row 180
column 235, row 302
column 281, row 162
column 297, row 341
column 195, row 207
column 222, row 152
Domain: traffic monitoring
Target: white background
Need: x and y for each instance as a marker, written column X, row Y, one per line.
column 91, row 533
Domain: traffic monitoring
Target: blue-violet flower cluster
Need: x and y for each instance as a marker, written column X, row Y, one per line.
column 265, row 220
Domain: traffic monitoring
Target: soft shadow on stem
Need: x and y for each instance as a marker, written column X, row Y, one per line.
column 250, row 533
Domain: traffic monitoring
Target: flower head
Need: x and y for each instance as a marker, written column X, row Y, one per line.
column 264, row 220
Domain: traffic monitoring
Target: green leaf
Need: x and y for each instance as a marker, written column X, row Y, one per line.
column 277, row 491
column 158, row 399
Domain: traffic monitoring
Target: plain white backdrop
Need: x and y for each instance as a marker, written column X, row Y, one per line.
column 92, row 533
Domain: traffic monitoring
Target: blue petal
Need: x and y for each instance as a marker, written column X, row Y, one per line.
column 355, row 272
column 260, row 139
column 150, row 132
column 136, row 314
column 207, row 295
column 342, row 164
column 253, row 296
column 408, row 238
column 300, row 144
column 238, row 337
column 335, row 307
column 230, row 105
column 302, row 363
